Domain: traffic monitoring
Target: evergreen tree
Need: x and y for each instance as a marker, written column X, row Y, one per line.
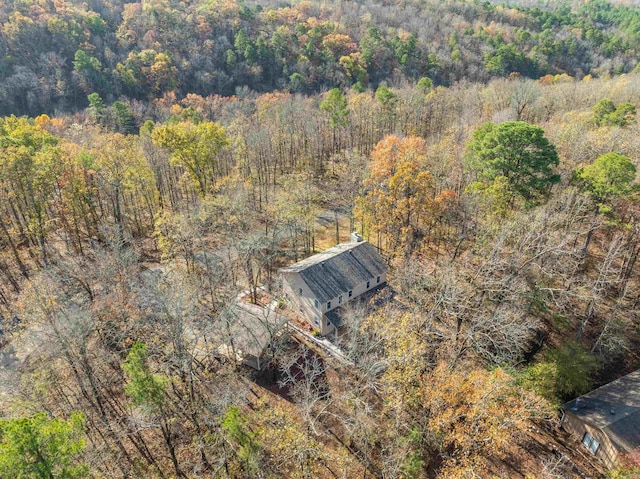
column 518, row 152
column 42, row 448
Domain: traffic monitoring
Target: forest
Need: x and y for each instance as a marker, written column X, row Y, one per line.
column 159, row 158
column 53, row 53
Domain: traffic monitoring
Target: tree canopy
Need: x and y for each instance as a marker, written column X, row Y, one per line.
column 518, row 152
column 144, row 388
column 40, row 447
column 336, row 106
column 400, row 192
column 122, row 270
column 606, row 113
column 194, row 146
column 56, row 53
column 609, row 176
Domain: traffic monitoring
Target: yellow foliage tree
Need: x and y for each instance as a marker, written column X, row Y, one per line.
column 194, row 147
column 404, row 338
column 294, row 452
column 127, row 179
column 476, row 416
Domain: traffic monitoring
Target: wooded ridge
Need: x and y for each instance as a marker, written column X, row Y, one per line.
column 53, row 54
column 145, row 198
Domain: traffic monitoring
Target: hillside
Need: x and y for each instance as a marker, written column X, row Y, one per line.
column 192, row 149
column 53, row 54
column 111, row 240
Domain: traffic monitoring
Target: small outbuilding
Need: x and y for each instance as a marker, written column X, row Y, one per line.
column 607, row 420
column 248, row 331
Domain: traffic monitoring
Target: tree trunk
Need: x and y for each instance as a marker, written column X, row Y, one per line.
column 592, row 228
column 14, row 250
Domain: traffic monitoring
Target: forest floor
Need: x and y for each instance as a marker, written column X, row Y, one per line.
column 325, row 234
column 546, row 451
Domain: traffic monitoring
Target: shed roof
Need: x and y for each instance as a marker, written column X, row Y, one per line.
column 614, row 408
column 251, row 328
column 339, row 269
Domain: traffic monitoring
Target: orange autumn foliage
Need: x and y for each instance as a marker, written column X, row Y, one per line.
column 476, row 415
column 399, row 202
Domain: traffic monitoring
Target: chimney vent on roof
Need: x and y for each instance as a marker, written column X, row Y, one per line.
column 576, row 405
column 613, row 411
column 356, row 237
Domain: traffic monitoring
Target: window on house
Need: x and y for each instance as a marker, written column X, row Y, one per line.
column 315, row 303
column 368, row 284
column 377, row 280
column 350, row 293
column 329, row 305
column 591, row 443
column 340, row 299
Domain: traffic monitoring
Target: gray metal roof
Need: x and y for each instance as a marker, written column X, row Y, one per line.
column 251, row 327
column 339, row 269
column 614, row 408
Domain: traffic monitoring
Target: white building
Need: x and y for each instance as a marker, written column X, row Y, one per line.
column 321, row 284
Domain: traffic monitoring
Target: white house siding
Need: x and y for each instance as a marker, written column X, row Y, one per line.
column 327, row 327
column 357, row 291
column 306, row 303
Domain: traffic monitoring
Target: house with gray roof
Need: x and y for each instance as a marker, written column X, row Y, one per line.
column 607, row 420
column 318, row 287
